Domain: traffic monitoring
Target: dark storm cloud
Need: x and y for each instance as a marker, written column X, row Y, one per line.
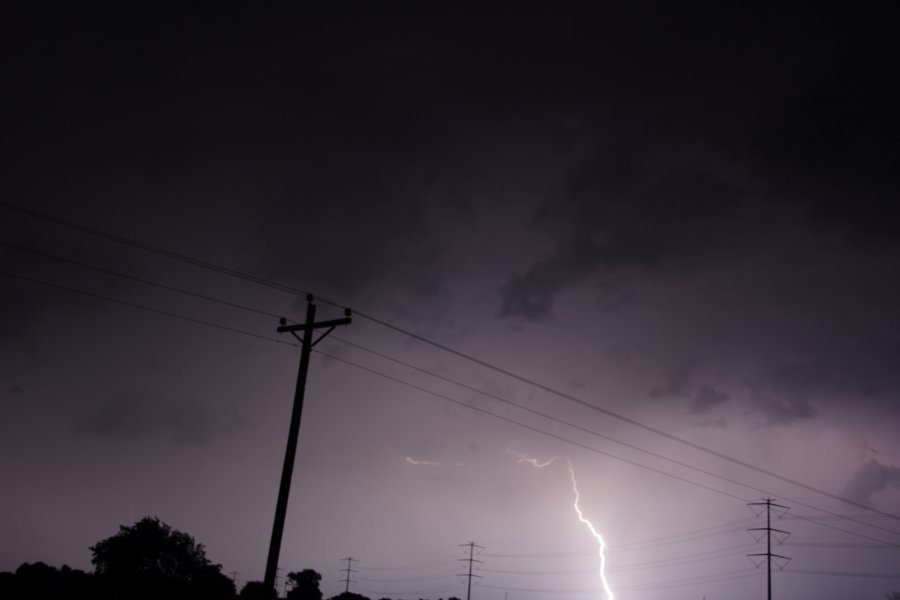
column 871, row 478
column 760, row 181
column 721, row 151
column 711, row 141
column 678, row 380
column 620, row 215
column 347, row 144
column 17, row 307
column 679, row 383
column 354, row 226
column 783, row 410
column 141, row 412
column 706, row 399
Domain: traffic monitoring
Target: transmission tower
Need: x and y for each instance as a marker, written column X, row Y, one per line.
column 471, row 565
column 769, row 504
column 347, row 570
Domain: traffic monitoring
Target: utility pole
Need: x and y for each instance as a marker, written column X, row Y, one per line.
column 472, row 562
column 287, row 471
column 769, row 503
column 348, row 569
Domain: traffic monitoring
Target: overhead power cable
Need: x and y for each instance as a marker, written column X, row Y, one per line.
column 143, row 307
column 152, row 249
column 422, row 565
column 416, row 579
column 149, row 282
column 600, row 435
column 623, row 418
column 717, row 578
column 409, row 365
column 722, row 577
column 403, row 363
column 524, row 425
column 838, row 545
column 895, row 575
column 367, row 369
column 362, row 314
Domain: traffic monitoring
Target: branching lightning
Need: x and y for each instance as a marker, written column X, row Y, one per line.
column 531, row 461
column 602, row 552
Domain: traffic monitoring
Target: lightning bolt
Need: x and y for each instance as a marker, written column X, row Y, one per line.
column 606, row 588
column 602, row 551
column 531, row 461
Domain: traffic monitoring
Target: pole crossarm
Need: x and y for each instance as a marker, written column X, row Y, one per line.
column 319, row 325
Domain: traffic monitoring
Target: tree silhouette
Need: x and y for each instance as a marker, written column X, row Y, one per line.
column 150, row 559
column 349, row 596
column 305, row 585
column 39, row 581
column 256, row 590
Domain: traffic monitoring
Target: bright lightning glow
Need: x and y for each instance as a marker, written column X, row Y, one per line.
column 606, row 588
column 531, row 461
column 540, row 465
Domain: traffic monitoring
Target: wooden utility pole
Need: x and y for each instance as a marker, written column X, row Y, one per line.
column 287, row 471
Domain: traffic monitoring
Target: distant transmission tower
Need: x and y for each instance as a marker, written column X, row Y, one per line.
column 769, row 504
column 471, row 562
column 347, row 570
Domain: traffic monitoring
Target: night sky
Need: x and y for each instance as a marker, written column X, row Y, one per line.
column 679, row 223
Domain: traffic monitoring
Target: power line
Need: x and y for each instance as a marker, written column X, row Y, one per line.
column 837, row 545
column 600, row 435
column 685, row 536
column 543, row 555
column 280, row 341
column 729, row 576
column 143, row 307
column 618, row 416
column 843, row 574
column 597, row 450
column 403, row 363
column 663, row 562
column 358, row 366
column 684, row 559
column 526, row 426
column 453, row 573
column 559, row 393
column 716, row 578
column 395, row 593
column 121, row 275
column 154, row 249
column 275, row 340
column 431, row 563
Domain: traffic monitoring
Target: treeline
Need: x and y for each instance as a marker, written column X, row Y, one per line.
column 149, row 561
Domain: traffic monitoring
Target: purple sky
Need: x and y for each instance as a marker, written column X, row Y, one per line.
column 686, row 219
